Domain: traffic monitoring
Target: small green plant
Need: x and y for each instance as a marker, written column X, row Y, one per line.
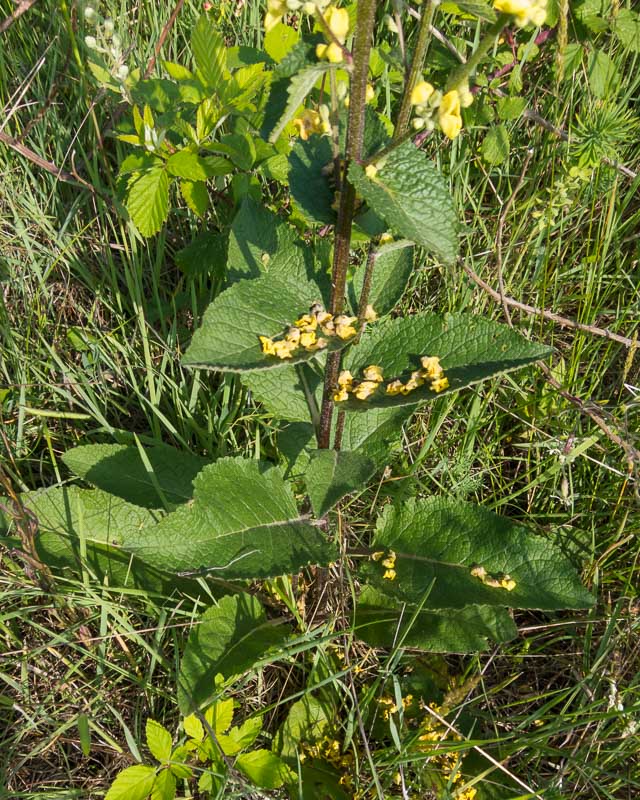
column 311, row 325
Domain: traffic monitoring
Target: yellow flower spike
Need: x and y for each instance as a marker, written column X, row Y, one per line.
column 439, row 385
column 371, row 171
column 449, row 117
column 267, row 345
column 344, row 326
column 338, row 22
column 377, row 555
column 390, row 575
column 373, row 373
column 421, row 93
column 365, row 389
column 370, row 314
column 395, row 387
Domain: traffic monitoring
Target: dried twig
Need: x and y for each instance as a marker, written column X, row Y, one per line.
column 23, row 5
column 161, row 39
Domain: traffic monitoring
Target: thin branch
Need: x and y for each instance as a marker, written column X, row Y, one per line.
column 23, row 5
column 161, row 39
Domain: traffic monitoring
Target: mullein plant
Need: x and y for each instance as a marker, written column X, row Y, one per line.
column 312, row 337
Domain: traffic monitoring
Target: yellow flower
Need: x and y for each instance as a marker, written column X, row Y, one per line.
column 284, row 349
column 386, row 238
column 307, row 323
column 308, row 339
column 421, row 93
column 310, row 122
column 276, row 9
column 508, row 583
column 395, row 387
column 369, row 93
column 344, row 326
column 370, row 315
column 338, row 22
column 449, row 114
column 377, row 555
column 340, row 396
column 293, row 335
column 524, row 11
column 345, row 379
column 371, row 171
column 365, row 389
column 319, row 344
column 390, row 560
column 431, row 367
column 373, row 373
column 390, row 575
column 440, row 384
column 330, row 52
column 267, row 345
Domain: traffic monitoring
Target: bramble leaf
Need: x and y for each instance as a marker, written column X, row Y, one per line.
column 470, row 349
column 242, row 523
column 409, row 193
column 228, row 639
column 164, row 787
column 209, row 51
column 195, row 196
column 382, row 622
column 133, row 783
column 158, row 741
column 148, row 200
column 439, row 541
column 264, row 769
column 332, row 474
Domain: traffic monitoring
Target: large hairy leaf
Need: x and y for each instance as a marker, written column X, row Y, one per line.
column 332, row 474
column 382, row 622
column 309, row 181
column 470, row 348
column 242, row 523
column 392, row 270
column 120, row 470
column 439, row 541
column 412, row 197
column 228, row 640
column 283, row 392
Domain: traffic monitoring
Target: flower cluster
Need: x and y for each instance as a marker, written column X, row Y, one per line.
column 304, row 333
column 431, row 107
column 503, row 582
column 313, row 122
column 388, row 561
column 338, row 21
column 390, row 707
column 432, row 735
column 524, row 11
column 372, row 379
column 276, row 9
column 107, row 42
column 431, row 372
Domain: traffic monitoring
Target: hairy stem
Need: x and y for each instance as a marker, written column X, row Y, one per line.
column 355, row 136
column 417, row 65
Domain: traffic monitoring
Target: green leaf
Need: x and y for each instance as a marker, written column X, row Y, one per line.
column 280, row 40
column 626, row 27
column 195, row 196
column 264, row 769
column 243, row 523
column 229, row 639
column 308, row 180
column 219, row 715
column 228, row 339
column 603, row 74
column 158, row 741
column 474, row 7
column 412, row 197
column 333, row 474
column 299, row 87
column 439, row 541
column 382, row 622
column 495, row 146
column 177, row 71
column 393, row 268
column 165, row 786
column 120, row 470
column 148, row 200
column 510, row 108
column 193, row 727
column 188, row 165
column 205, row 257
column 133, row 783
column 139, row 162
column 209, row 51
column 239, row 738
column 471, row 349
column 282, row 391
column 240, row 149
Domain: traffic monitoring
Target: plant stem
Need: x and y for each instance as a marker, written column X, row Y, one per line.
column 461, row 74
column 417, row 64
column 355, row 136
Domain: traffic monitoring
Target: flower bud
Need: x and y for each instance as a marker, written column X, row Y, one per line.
column 108, row 27
column 123, row 72
column 90, row 15
column 91, row 42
